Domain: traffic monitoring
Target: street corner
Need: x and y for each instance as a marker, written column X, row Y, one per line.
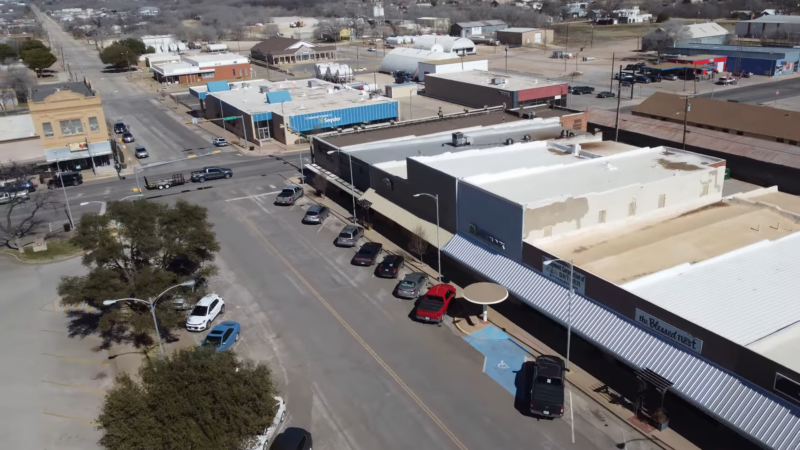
column 504, row 358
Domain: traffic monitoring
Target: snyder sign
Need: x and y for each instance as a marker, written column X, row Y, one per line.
column 559, row 272
column 678, row 336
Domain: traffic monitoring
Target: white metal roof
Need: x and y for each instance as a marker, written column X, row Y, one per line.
column 747, row 294
column 793, row 20
column 16, row 127
column 408, row 59
column 732, row 400
column 531, row 186
column 701, row 30
column 449, row 44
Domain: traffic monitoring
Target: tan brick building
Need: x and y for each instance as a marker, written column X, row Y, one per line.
column 69, row 119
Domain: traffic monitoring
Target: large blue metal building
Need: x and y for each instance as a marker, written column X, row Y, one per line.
column 768, row 61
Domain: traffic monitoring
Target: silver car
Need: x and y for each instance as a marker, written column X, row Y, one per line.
column 411, row 286
column 141, row 152
column 316, row 214
column 349, row 236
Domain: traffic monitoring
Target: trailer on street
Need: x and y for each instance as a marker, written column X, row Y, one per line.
column 165, row 183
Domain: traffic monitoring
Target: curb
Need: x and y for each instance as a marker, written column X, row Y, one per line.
column 65, row 258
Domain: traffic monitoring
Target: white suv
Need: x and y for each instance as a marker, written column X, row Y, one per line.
column 204, row 312
column 263, row 439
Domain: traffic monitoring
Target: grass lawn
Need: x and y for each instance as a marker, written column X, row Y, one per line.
column 56, row 249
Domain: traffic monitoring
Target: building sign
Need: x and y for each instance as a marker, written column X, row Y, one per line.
column 678, row 336
column 477, row 232
column 79, row 147
column 559, row 272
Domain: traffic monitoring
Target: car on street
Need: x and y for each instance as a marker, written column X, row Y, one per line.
column 219, row 142
column 390, row 266
column 120, row 128
column 371, row 49
column 643, row 79
column 726, row 80
column 211, row 173
column 316, row 214
column 349, row 236
column 204, row 312
column 742, row 74
column 223, row 336
column 289, row 195
column 547, row 390
column 265, row 436
column 293, row 439
column 62, row 179
column 670, row 77
column 16, row 197
column 411, row 285
column 141, row 152
column 433, row 306
column 367, row 254
column 127, row 137
column 17, row 186
column 580, row 90
column 606, row 94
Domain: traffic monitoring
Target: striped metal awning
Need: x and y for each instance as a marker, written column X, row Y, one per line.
column 752, row 411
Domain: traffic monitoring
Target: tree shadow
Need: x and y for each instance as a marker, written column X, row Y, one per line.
column 84, row 323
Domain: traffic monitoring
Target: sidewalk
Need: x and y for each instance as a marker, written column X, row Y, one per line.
column 577, row 377
column 126, row 358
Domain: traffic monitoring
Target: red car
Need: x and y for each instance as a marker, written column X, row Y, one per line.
column 433, row 305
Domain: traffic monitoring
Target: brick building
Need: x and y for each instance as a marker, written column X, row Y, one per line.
column 204, row 68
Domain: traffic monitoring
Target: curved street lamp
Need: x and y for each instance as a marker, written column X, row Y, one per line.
column 152, row 305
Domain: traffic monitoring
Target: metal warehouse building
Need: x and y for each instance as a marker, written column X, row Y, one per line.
column 481, row 28
column 261, row 110
column 445, row 44
column 473, row 62
column 478, row 89
column 524, row 36
column 408, row 59
column 769, row 61
column 775, row 27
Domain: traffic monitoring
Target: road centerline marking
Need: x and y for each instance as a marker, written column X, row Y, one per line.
column 353, row 333
column 251, row 196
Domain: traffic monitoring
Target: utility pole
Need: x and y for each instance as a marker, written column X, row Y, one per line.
column 619, row 101
column 611, row 85
column 591, row 43
column 566, row 47
column 686, row 119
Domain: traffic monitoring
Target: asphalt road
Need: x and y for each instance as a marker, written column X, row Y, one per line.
column 152, row 124
column 760, row 93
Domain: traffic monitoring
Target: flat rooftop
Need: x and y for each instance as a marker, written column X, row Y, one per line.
column 644, row 166
column 746, row 295
column 16, row 127
column 224, row 58
column 483, row 78
column 501, row 159
column 400, row 148
column 245, row 96
column 431, row 125
column 639, row 248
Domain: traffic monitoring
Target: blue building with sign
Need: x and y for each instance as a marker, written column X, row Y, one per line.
column 288, row 111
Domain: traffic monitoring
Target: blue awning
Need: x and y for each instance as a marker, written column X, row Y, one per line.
column 218, row 86
column 278, row 97
column 743, row 406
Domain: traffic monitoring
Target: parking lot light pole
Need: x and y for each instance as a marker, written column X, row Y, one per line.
column 569, row 303
column 438, row 247
column 352, row 184
column 152, row 305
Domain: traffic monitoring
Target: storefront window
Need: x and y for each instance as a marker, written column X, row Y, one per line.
column 208, row 75
column 93, row 125
column 48, row 129
column 71, row 127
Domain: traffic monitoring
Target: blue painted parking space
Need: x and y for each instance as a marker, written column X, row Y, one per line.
column 504, row 357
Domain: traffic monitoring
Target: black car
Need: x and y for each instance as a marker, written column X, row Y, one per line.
column 120, row 128
column 606, row 94
column 547, row 393
column 127, row 137
column 580, row 90
column 367, row 254
column 65, row 179
column 316, row 214
column 389, row 267
column 643, row 79
column 293, row 439
column 18, row 186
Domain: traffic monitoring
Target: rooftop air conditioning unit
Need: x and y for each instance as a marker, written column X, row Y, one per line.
column 263, row 89
column 497, row 81
column 312, row 83
column 509, row 141
column 459, row 140
column 526, row 138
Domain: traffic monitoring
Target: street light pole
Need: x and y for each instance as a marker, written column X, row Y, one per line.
column 66, row 200
column 438, row 246
column 686, row 119
column 410, row 105
column 152, row 305
column 352, row 184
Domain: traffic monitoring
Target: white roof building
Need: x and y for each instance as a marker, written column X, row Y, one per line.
column 445, row 44
column 408, row 59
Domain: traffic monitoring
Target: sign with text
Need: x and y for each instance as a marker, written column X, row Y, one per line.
column 680, row 337
column 559, row 271
column 77, row 147
column 483, row 234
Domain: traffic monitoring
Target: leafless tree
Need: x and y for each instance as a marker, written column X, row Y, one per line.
column 270, row 30
column 21, row 213
column 665, row 36
column 418, row 243
column 604, row 8
column 320, row 184
column 18, row 79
